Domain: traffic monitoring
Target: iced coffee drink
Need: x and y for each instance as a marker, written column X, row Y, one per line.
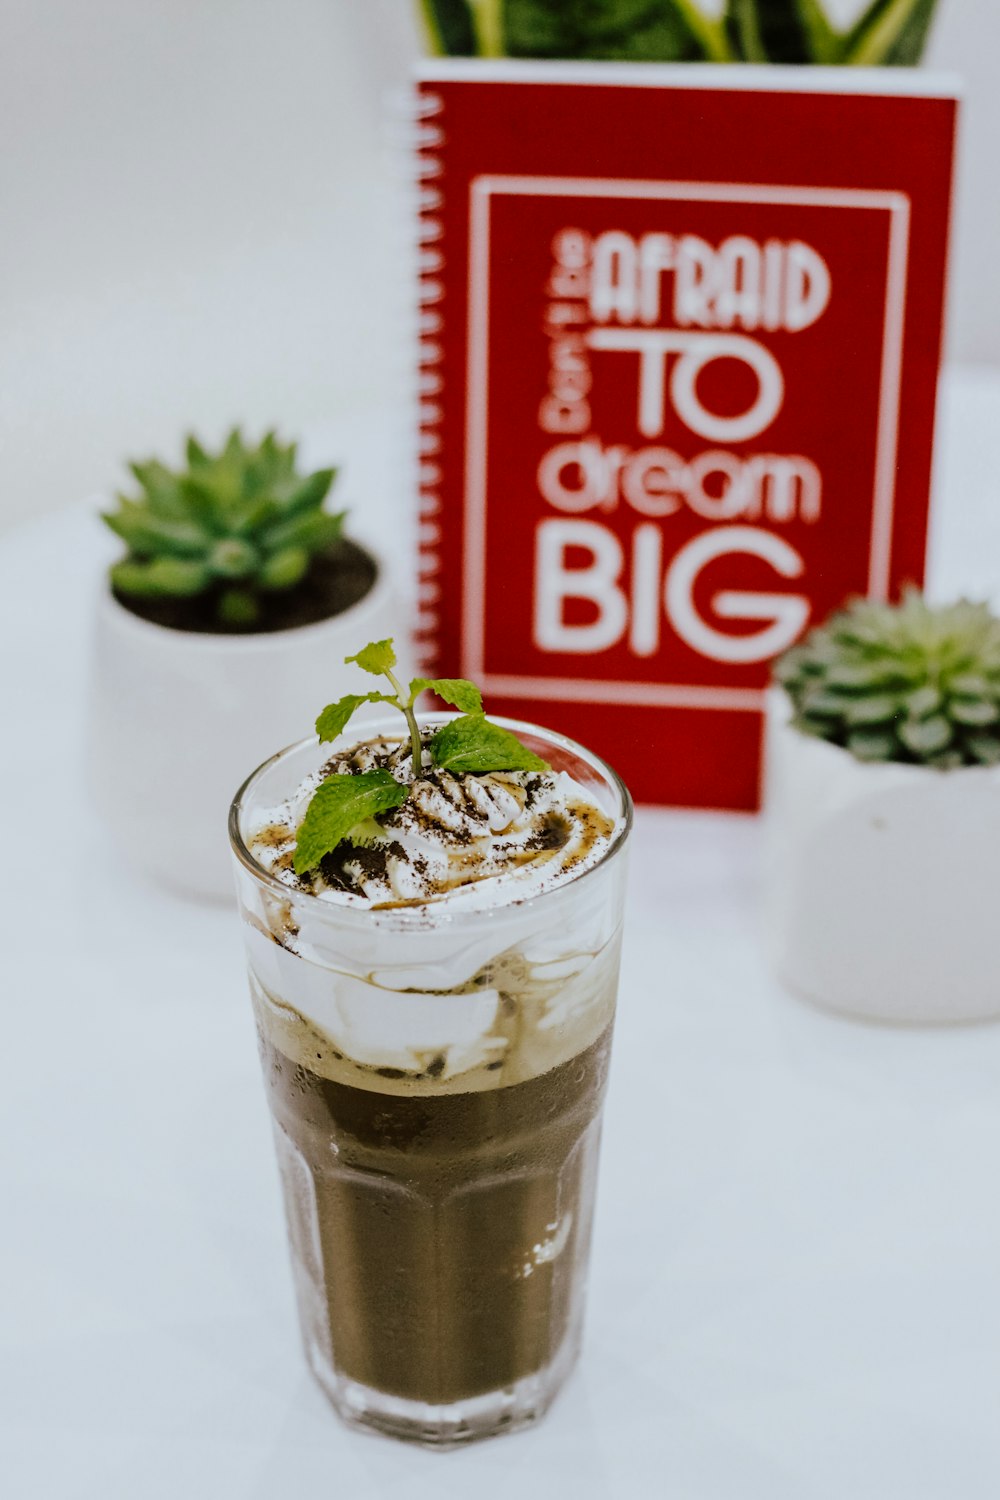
column 434, row 1001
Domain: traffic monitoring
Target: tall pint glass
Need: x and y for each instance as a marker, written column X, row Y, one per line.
column 435, row 1076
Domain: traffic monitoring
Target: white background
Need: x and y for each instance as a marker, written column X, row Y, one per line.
column 197, row 226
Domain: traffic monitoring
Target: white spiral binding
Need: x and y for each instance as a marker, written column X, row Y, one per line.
column 428, row 136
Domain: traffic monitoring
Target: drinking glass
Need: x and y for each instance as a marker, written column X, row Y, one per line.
column 435, row 1077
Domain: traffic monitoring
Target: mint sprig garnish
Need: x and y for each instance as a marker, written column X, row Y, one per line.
column 379, row 658
column 470, row 745
column 339, row 804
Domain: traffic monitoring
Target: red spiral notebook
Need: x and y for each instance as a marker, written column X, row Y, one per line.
column 681, row 329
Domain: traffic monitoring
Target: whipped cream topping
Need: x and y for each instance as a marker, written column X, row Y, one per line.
column 470, row 841
column 509, row 1021
column 424, row 966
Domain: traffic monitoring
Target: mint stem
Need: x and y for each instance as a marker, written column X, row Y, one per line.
column 416, row 748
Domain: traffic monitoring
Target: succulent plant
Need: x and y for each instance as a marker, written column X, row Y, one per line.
column 914, row 682
column 232, row 525
column 886, row 32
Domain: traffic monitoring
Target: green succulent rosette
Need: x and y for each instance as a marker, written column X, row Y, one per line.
column 913, row 683
column 237, row 525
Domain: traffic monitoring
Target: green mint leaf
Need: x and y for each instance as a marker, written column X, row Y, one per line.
column 378, row 657
column 463, row 695
column 338, row 805
column 473, row 745
column 333, row 720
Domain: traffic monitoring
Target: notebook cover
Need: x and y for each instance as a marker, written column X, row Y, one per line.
column 681, row 329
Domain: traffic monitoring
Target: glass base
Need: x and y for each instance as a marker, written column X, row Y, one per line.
column 455, row 1424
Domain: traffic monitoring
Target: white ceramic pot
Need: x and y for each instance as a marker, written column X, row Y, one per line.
column 178, row 719
column 881, row 881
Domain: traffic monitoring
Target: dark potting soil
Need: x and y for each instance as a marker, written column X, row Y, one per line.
column 336, row 579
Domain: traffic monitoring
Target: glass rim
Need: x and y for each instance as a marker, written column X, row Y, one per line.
column 416, row 915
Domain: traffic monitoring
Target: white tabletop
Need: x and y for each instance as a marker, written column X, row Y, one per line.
column 795, row 1291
